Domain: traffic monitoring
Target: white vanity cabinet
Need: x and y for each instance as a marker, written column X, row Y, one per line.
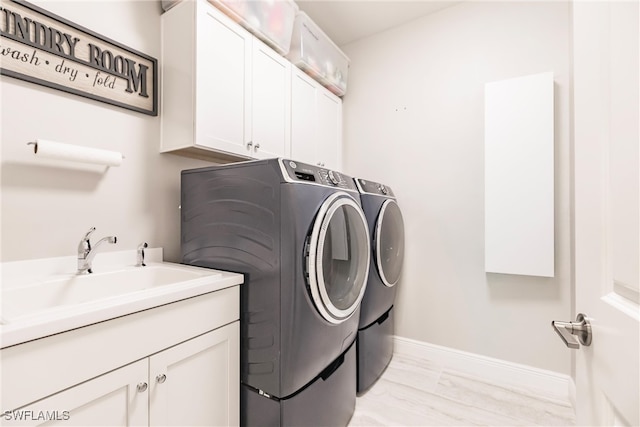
column 176, row 364
column 316, row 122
column 225, row 94
column 193, row 383
column 197, row 383
column 111, row 399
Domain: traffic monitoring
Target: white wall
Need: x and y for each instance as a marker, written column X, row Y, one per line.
column 47, row 206
column 414, row 120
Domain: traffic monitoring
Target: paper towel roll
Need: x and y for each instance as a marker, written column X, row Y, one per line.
column 74, row 153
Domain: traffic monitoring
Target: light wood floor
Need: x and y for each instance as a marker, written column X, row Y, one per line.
column 414, row 392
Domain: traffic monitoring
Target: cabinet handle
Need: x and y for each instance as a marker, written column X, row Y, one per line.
column 249, row 145
column 142, row 387
column 257, row 146
column 161, row 378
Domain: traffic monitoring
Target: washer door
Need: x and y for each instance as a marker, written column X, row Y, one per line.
column 389, row 243
column 338, row 258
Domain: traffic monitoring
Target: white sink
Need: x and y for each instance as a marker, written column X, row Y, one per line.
column 78, row 289
column 43, row 297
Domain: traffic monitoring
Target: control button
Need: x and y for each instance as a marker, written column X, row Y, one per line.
column 334, row 177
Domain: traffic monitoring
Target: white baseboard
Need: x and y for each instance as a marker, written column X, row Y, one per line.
column 548, row 383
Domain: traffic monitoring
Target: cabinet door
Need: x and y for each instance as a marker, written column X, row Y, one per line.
column 222, row 89
column 270, row 107
column 329, row 147
column 303, row 117
column 112, row 399
column 197, row 382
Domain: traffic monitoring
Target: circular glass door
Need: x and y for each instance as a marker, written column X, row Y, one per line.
column 389, row 243
column 338, row 259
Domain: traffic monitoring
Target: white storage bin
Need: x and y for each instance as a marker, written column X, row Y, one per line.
column 269, row 20
column 168, row 4
column 313, row 52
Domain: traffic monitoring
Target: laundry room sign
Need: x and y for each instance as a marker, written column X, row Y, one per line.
column 42, row 48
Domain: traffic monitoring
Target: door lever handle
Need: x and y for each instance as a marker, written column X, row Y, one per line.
column 569, row 330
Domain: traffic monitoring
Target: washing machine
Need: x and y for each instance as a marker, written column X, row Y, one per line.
column 376, row 326
column 298, row 234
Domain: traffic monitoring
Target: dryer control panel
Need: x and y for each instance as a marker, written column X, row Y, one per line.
column 310, row 174
column 371, row 187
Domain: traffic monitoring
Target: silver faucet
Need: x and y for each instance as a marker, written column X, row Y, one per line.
column 141, row 248
column 86, row 253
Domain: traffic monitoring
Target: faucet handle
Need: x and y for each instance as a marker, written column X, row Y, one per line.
column 141, row 248
column 85, row 244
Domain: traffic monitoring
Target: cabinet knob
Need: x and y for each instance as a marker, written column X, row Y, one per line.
column 161, row 378
column 257, row 146
column 142, row 387
column 249, row 145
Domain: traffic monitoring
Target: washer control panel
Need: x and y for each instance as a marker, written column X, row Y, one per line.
column 306, row 173
column 371, row 187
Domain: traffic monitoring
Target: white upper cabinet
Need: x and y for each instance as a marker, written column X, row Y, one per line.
column 303, row 117
column 316, row 122
column 270, row 106
column 225, row 94
column 329, row 147
column 219, row 84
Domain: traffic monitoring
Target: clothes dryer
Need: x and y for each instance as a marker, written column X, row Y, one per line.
column 300, row 237
column 376, row 326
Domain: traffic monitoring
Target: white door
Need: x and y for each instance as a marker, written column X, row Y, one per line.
column 304, row 120
column 607, row 209
column 119, row 398
column 329, row 142
column 223, row 58
column 197, row 383
column 271, row 103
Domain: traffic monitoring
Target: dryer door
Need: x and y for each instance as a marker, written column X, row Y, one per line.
column 338, row 258
column 389, row 243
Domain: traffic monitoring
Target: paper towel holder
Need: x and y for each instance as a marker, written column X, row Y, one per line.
column 78, row 154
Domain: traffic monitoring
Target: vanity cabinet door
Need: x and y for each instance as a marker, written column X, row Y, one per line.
column 118, row 398
column 197, row 382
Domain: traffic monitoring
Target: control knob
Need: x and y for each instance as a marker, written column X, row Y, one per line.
column 383, row 189
column 334, row 177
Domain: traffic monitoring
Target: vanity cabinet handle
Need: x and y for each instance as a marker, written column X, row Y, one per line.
column 161, row 378
column 142, row 387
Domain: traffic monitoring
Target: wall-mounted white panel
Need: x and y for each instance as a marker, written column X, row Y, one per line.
column 519, row 176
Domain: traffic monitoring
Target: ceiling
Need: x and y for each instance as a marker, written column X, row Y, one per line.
column 345, row 21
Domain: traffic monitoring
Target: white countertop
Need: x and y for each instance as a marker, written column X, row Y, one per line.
column 40, row 297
